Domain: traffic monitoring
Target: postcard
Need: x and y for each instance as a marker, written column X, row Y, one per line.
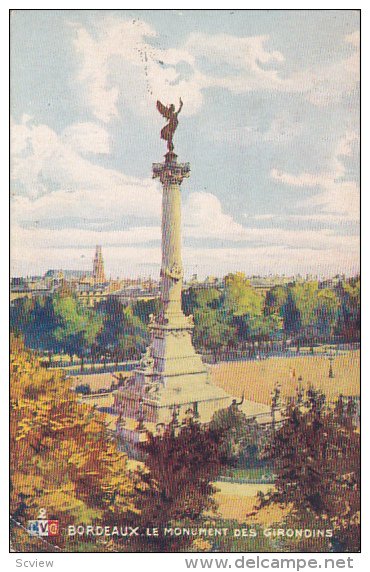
column 185, row 282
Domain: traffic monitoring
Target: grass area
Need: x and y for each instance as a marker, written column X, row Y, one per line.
column 236, row 501
column 256, row 473
column 257, row 378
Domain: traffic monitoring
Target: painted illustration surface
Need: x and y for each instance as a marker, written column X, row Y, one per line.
column 185, row 281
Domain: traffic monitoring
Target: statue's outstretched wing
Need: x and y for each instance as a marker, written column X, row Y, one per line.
column 163, row 110
column 242, row 400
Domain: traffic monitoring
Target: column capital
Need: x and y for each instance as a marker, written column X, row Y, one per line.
column 171, row 172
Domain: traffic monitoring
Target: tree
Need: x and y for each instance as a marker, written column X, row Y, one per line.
column 349, row 323
column 327, row 313
column 212, row 331
column 182, row 464
column 61, row 456
column 317, row 462
column 240, row 297
column 259, row 328
column 235, row 435
column 300, row 309
column 77, row 326
column 123, row 334
column 36, row 320
column 144, row 308
column 275, row 300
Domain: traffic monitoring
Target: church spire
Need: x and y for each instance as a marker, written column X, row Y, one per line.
column 98, row 268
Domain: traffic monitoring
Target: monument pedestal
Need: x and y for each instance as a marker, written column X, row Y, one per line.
column 172, row 380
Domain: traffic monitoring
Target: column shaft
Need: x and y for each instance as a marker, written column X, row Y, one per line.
column 171, row 249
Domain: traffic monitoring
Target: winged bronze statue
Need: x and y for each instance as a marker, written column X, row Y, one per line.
column 169, row 129
column 235, row 404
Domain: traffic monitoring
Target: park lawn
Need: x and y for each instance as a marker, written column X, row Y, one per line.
column 257, row 378
column 235, row 501
column 253, row 473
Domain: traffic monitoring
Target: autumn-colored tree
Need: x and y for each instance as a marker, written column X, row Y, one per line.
column 317, row 462
column 182, row 464
column 62, row 459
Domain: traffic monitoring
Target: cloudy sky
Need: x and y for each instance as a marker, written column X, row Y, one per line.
column 270, row 125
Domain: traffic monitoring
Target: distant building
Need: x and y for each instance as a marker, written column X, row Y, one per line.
column 91, row 297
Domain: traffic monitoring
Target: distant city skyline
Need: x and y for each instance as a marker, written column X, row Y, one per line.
column 89, row 272
column 270, row 126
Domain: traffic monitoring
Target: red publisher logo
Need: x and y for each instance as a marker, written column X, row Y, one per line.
column 53, row 527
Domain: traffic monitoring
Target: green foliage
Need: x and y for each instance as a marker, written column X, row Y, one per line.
column 212, row 331
column 275, row 300
column 305, row 298
column 144, row 308
column 327, row 312
column 236, row 436
column 240, row 298
column 349, row 318
column 258, row 327
column 195, row 298
column 123, row 334
column 224, row 320
column 35, row 319
column 77, row 326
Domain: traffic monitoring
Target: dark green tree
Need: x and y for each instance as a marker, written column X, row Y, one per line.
column 144, row 308
column 123, row 335
column 349, row 323
column 327, row 313
column 36, row 320
column 275, row 300
column 317, row 462
column 236, row 436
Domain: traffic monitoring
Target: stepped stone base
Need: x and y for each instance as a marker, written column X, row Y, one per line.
column 171, row 375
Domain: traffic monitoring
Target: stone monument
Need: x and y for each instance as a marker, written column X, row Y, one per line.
column 172, row 378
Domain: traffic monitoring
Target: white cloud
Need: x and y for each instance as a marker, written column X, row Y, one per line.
column 244, row 56
column 335, row 195
column 266, row 216
column 45, row 164
column 119, row 67
column 121, row 63
column 328, row 83
column 86, row 138
column 301, row 180
column 282, row 129
column 54, row 185
column 265, row 260
column 204, row 218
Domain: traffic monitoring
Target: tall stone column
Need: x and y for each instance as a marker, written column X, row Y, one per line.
column 171, row 175
column 172, row 378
